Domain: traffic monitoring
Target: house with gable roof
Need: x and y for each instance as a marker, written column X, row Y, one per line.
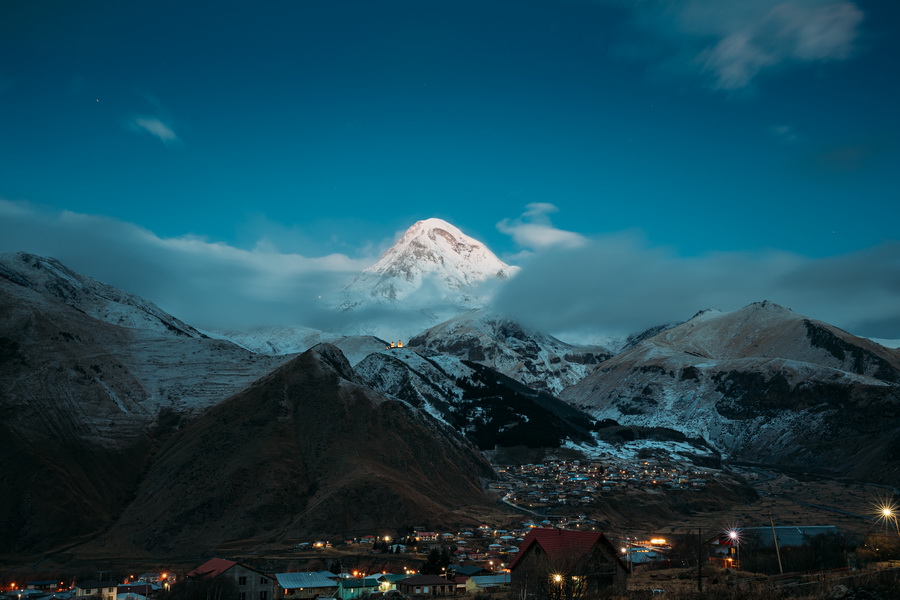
column 249, row 583
column 353, row 587
column 426, row 585
column 478, row 584
column 303, row 586
column 104, row 590
column 563, row 564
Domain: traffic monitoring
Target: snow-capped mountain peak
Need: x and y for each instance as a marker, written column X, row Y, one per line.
column 434, row 247
column 432, row 258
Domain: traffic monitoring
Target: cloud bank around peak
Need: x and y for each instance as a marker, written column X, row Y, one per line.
column 207, row 284
column 731, row 43
column 618, row 285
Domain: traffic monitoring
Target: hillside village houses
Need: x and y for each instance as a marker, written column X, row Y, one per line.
column 584, row 483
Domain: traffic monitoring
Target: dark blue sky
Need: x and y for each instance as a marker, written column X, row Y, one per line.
column 321, row 127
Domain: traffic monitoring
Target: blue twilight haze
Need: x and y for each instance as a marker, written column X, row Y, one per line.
column 650, row 158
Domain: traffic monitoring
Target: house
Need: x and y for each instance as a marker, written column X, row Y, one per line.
column 105, row 590
column 135, row 591
column 249, row 583
column 460, row 582
column 469, row 570
column 352, row 587
column 487, row 583
column 426, row 585
column 47, row 585
column 559, row 563
column 303, row 586
column 388, row 581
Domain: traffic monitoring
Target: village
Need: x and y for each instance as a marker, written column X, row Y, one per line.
column 560, row 483
column 554, row 559
column 554, row 551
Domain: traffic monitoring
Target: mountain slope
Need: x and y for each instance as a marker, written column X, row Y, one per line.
column 50, row 278
column 530, row 357
column 307, row 450
column 490, row 408
column 87, row 372
column 762, row 384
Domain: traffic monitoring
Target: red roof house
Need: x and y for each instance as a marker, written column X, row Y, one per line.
column 248, row 583
column 560, row 564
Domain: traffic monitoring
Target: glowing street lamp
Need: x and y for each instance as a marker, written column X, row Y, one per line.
column 735, row 537
column 887, row 511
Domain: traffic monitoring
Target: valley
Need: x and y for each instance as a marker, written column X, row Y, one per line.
column 168, row 441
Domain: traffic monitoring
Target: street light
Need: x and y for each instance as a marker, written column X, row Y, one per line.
column 887, row 511
column 735, row 538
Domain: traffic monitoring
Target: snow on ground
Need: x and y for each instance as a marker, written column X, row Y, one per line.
column 633, row 451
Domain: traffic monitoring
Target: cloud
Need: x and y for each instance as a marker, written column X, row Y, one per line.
column 157, row 128
column 732, row 43
column 617, row 285
column 533, row 229
column 784, row 134
column 207, row 284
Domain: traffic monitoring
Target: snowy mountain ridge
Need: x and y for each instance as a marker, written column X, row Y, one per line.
column 432, row 261
column 50, row 277
column 760, row 383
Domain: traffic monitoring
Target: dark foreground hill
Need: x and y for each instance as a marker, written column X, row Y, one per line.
column 304, row 451
column 104, row 434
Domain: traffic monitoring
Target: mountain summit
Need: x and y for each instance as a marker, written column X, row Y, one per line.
column 433, row 261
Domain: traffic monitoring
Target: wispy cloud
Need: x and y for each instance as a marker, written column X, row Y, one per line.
column 155, row 127
column 533, row 230
column 785, row 134
column 614, row 284
column 732, row 43
column 208, row 284
column 618, row 284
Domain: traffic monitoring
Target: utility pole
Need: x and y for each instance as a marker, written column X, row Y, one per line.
column 775, row 539
column 699, row 559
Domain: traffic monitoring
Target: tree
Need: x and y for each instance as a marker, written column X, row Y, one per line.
column 436, row 563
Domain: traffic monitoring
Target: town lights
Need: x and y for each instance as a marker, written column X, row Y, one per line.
column 557, row 578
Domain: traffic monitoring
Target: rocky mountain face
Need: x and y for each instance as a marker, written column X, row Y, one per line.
column 433, row 263
column 489, row 408
column 763, row 384
column 536, row 359
column 306, row 450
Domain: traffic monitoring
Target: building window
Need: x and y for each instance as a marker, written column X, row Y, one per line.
column 263, row 580
column 263, row 595
column 242, row 580
column 242, row 595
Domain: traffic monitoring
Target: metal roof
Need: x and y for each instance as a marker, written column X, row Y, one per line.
column 291, row 581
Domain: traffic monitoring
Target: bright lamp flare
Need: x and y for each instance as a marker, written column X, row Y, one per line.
column 889, row 514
